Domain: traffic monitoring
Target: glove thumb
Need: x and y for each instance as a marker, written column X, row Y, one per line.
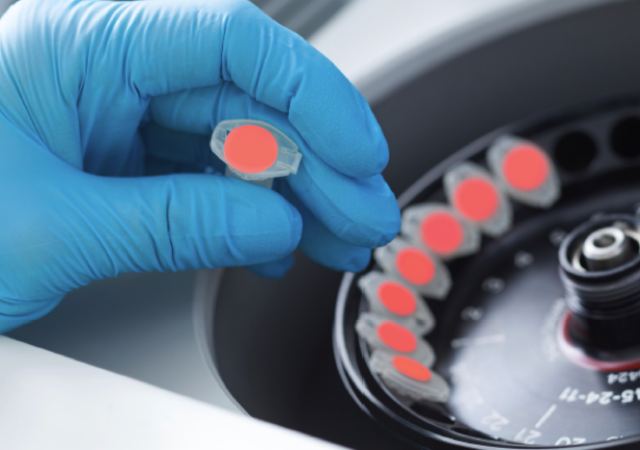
column 99, row 227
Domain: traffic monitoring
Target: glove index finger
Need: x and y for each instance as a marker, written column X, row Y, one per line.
column 168, row 47
column 288, row 74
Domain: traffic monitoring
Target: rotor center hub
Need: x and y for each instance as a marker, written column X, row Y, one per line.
column 606, row 248
column 600, row 271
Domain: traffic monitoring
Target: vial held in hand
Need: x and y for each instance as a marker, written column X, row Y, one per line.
column 254, row 151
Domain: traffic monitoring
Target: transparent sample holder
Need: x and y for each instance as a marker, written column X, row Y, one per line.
column 286, row 161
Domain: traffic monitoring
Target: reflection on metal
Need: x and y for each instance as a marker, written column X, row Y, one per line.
column 302, row 16
column 4, row 5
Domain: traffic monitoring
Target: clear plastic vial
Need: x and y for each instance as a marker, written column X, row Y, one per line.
column 415, row 267
column 254, row 150
column 524, row 171
column 408, row 378
column 474, row 194
column 389, row 298
column 440, row 229
column 385, row 334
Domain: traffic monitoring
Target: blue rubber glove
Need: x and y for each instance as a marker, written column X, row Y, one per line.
column 96, row 94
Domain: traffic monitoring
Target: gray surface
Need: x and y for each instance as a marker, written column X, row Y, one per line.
column 391, row 43
column 4, row 4
column 142, row 326
column 302, row 16
column 50, row 402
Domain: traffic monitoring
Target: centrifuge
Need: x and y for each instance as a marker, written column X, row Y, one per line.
column 506, row 314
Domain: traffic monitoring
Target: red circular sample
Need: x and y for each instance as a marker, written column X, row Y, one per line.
column 411, row 368
column 415, row 266
column 476, row 199
column 397, row 337
column 250, row 149
column 397, row 298
column 525, row 168
column 441, row 232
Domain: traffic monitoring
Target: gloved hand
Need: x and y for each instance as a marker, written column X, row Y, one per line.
column 94, row 92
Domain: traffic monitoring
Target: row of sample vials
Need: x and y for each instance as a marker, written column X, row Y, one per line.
column 414, row 264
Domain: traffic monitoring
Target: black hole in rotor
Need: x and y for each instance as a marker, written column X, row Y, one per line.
column 575, row 151
column 625, row 137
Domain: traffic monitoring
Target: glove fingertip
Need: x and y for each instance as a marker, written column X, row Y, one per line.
column 358, row 261
column 275, row 269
